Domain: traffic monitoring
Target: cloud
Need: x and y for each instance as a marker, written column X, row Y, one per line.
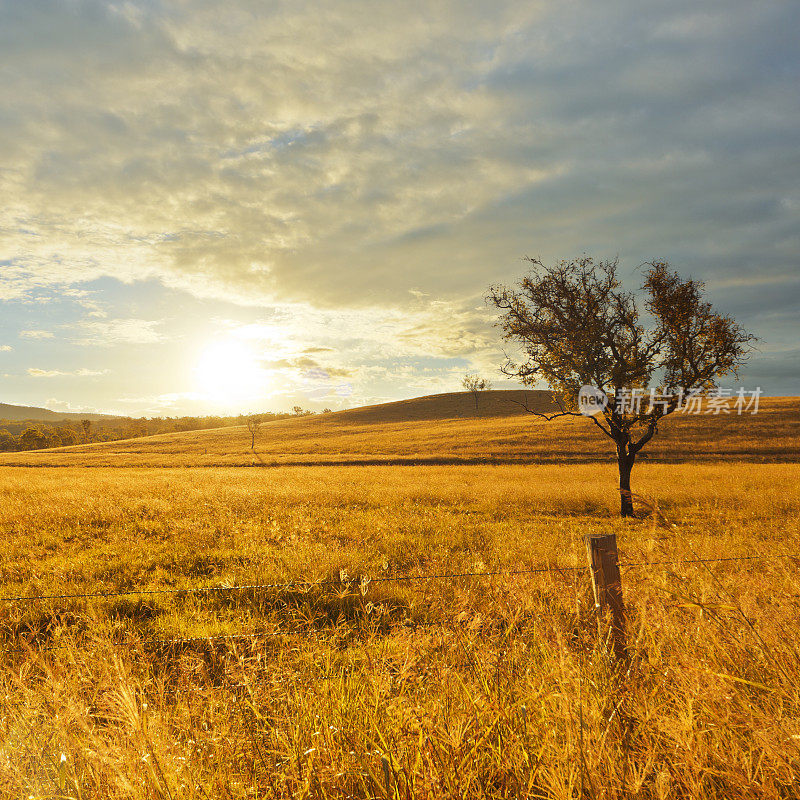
column 354, row 163
column 449, row 329
column 54, row 404
column 308, row 366
column 5, row 348
column 166, row 404
column 108, row 332
column 57, row 373
column 428, row 327
column 260, row 151
column 36, row 334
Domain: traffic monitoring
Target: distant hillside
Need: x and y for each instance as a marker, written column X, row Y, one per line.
column 20, row 413
column 443, row 429
column 451, row 405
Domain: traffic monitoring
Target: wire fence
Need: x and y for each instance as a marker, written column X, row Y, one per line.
column 307, row 585
column 365, row 670
column 445, row 658
column 361, row 582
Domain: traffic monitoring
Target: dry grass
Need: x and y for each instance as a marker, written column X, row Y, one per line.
column 367, row 694
column 444, row 429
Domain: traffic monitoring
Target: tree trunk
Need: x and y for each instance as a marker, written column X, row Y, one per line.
column 625, row 463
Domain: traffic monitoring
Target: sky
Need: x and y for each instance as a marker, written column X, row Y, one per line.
column 228, row 207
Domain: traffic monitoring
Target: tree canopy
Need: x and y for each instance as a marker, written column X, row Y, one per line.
column 575, row 326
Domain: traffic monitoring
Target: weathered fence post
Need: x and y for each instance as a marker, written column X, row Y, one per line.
column 607, row 583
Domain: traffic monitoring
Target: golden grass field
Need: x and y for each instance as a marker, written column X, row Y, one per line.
column 487, row 685
column 444, row 429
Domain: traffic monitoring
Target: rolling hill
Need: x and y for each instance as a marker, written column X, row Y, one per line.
column 443, row 429
column 32, row 413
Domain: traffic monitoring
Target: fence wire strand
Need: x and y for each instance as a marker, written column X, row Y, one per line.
column 365, row 580
column 360, row 582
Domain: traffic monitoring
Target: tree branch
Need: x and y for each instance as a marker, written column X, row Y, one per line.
column 602, row 427
column 548, row 417
column 561, row 413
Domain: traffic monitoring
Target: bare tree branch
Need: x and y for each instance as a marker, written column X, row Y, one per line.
column 541, row 414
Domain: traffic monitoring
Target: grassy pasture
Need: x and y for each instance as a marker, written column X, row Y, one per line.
column 467, row 687
column 444, row 429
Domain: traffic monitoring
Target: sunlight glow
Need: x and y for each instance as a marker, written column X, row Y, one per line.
column 229, row 375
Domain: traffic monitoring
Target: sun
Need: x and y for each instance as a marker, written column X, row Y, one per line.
column 228, row 374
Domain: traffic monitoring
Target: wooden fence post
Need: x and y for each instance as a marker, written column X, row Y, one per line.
column 607, row 583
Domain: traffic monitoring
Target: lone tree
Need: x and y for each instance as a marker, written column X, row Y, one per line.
column 253, row 422
column 476, row 385
column 577, row 327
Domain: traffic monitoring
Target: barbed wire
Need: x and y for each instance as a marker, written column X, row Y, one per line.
column 366, row 580
column 309, row 584
column 363, row 582
column 707, row 560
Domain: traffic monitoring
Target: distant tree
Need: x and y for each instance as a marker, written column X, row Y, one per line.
column 253, row 422
column 326, row 411
column 576, row 326
column 476, row 385
column 8, row 441
column 135, row 429
column 86, row 426
column 35, row 437
column 187, row 424
column 65, row 437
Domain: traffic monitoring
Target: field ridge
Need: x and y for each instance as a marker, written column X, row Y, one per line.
column 443, row 429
